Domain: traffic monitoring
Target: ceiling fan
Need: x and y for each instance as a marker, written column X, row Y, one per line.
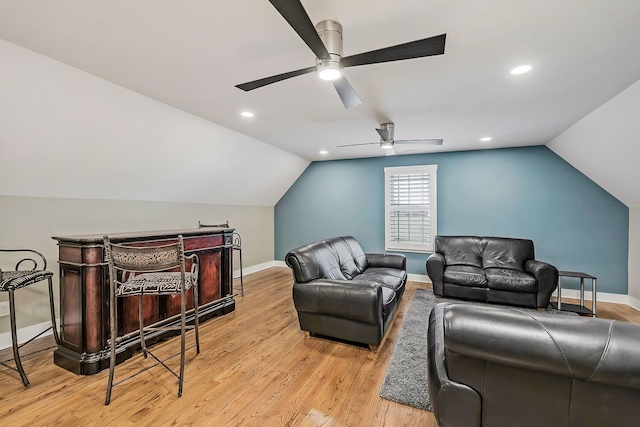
column 325, row 40
column 387, row 142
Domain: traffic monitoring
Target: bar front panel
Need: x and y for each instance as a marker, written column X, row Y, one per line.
column 84, row 293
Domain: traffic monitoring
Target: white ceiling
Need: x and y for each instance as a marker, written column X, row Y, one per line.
column 191, row 54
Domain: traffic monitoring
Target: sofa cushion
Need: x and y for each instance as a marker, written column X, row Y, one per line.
column 510, row 280
column 389, row 277
column 327, row 261
column 314, row 261
column 351, row 257
column 339, row 258
column 460, row 250
column 465, row 275
column 506, row 253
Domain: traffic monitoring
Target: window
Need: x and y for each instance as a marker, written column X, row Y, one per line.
column 410, row 208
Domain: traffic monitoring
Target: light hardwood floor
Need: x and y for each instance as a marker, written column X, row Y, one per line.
column 255, row 369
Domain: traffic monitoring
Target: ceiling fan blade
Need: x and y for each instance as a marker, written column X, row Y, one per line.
column 273, row 79
column 293, row 12
column 348, row 96
column 433, row 141
column 354, row 145
column 384, row 134
column 389, row 152
column 415, row 49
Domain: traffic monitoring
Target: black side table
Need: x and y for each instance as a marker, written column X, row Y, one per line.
column 580, row 309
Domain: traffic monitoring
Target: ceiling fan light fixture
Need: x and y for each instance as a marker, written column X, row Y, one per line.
column 330, row 33
column 386, row 145
column 329, row 70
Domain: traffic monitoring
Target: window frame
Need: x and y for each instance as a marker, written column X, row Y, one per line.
column 432, row 172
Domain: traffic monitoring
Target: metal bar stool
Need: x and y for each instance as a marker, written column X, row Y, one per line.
column 150, row 270
column 10, row 281
column 236, row 246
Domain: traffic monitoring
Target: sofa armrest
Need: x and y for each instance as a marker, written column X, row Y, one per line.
column 547, row 278
column 453, row 403
column 398, row 261
column 349, row 299
column 435, row 270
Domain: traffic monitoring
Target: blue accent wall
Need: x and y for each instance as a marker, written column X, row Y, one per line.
column 527, row 192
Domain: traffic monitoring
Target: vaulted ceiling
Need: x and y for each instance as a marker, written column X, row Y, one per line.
column 190, row 55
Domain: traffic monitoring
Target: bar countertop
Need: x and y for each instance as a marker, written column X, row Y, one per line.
column 136, row 235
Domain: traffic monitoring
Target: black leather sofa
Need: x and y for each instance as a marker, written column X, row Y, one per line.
column 491, row 269
column 341, row 292
column 505, row 367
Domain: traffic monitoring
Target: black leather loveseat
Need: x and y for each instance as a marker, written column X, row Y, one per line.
column 505, row 367
column 341, row 292
column 491, row 269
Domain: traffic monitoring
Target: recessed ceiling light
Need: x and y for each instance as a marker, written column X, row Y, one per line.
column 521, row 69
column 247, row 114
column 485, row 139
column 324, row 152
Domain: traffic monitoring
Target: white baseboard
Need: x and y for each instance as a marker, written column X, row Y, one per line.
column 258, row 267
column 422, row 278
column 566, row 293
column 26, row 333
column 280, row 264
column 601, row 297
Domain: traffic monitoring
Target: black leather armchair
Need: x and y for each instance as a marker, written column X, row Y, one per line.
column 503, row 367
column 491, row 269
column 341, row 292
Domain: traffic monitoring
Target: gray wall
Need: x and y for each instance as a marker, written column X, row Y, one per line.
column 634, row 253
column 31, row 221
column 525, row 192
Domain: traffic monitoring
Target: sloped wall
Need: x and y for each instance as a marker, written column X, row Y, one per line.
column 65, row 133
column 604, row 145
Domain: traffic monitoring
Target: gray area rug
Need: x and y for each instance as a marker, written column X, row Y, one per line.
column 406, row 378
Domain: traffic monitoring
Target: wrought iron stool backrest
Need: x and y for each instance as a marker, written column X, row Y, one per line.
column 148, row 258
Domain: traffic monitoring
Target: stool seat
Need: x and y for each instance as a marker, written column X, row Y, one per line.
column 19, row 279
column 156, row 283
column 12, row 280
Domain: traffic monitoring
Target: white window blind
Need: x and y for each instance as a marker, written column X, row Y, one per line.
column 410, row 208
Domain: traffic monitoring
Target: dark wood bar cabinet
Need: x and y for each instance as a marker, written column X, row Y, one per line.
column 84, row 294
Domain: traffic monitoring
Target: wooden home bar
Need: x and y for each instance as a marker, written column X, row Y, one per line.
column 84, row 294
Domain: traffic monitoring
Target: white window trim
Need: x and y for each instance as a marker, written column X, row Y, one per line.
column 405, row 246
